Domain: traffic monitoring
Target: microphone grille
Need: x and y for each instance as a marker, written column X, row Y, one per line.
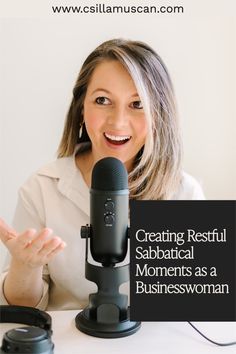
column 109, row 174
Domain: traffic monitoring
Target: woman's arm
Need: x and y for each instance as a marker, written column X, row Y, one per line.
column 27, row 281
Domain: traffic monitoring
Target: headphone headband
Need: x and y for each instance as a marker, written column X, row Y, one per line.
column 25, row 315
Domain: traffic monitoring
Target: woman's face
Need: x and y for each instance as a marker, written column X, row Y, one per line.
column 113, row 114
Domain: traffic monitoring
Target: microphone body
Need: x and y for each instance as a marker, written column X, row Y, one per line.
column 109, row 211
column 109, row 226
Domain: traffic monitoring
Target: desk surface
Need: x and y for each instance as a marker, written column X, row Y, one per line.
column 153, row 337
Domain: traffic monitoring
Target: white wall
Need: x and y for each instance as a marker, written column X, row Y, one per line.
column 41, row 55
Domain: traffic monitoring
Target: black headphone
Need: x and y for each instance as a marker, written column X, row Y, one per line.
column 23, row 340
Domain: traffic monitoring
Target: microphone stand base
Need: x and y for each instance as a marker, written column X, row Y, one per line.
column 105, row 330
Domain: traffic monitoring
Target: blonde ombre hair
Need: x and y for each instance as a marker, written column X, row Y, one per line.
column 157, row 169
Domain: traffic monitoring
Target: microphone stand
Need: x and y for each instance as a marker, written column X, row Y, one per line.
column 107, row 315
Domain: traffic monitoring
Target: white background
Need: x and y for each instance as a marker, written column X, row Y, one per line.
column 41, row 54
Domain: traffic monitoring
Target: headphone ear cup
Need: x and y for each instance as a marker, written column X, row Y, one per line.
column 27, row 340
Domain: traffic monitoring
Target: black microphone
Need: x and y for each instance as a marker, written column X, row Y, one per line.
column 107, row 314
column 109, row 210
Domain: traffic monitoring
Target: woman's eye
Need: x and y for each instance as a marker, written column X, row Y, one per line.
column 102, row 100
column 137, row 104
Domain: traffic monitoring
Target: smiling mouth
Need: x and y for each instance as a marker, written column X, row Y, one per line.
column 117, row 139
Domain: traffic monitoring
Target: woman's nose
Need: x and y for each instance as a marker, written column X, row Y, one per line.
column 118, row 116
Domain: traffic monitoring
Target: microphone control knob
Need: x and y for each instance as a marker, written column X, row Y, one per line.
column 85, row 231
column 109, row 219
column 109, row 206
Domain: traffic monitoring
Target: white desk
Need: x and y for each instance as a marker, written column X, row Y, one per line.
column 153, row 337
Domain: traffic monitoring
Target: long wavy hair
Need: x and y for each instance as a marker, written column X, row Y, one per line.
column 157, row 169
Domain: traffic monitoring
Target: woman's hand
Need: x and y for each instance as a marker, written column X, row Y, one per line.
column 31, row 248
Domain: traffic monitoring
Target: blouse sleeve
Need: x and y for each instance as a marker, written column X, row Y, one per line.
column 190, row 189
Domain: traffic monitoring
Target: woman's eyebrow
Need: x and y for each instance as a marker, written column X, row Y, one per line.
column 109, row 92
column 100, row 89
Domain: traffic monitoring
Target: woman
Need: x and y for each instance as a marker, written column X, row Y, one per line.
column 123, row 106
